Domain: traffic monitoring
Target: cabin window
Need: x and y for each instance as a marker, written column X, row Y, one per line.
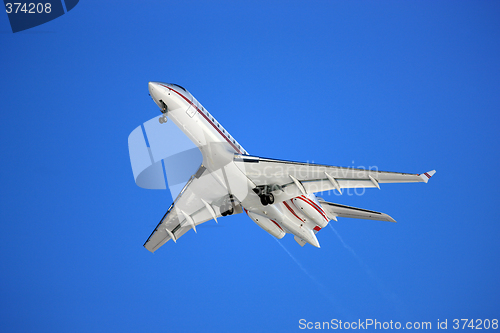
column 178, row 86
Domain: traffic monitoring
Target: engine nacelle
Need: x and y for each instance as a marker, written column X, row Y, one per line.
column 309, row 205
column 268, row 225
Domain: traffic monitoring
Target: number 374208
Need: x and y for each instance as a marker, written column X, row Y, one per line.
column 477, row 324
column 28, row 8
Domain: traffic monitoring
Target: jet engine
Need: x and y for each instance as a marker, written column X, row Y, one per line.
column 309, row 205
column 268, row 225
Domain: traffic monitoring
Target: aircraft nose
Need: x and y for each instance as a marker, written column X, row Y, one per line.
column 155, row 90
column 152, row 86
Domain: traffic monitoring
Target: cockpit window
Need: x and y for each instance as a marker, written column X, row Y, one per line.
column 179, row 86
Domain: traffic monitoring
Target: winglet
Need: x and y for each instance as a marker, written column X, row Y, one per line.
column 427, row 175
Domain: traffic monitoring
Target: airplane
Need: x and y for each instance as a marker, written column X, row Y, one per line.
column 278, row 195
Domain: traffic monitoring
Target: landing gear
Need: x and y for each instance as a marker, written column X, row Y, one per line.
column 163, row 119
column 227, row 207
column 163, row 106
column 267, row 199
column 265, row 193
column 228, row 212
column 270, row 198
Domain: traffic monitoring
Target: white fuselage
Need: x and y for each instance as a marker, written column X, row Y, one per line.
column 299, row 216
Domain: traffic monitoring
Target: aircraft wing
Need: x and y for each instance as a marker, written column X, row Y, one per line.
column 198, row 202
column 334, row 210
column 290, row 179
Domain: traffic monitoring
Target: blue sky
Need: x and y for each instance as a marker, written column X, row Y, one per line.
column 405, row 86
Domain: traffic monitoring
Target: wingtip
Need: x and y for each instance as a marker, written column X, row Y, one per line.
column 150, row 250
column 427, row 175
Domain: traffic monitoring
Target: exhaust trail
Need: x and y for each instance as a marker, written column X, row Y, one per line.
column 347, row 247
column 344, row 244
column 391, row 297
column 321, row 288
column 299, row 264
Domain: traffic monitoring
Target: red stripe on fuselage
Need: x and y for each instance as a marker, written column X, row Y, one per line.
column 291, row 210
column 204, row 116
column 278, row 225
column 313, row 204
column 319, row 209
column 246, row 211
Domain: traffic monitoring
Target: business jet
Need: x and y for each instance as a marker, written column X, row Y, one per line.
column 278, row 195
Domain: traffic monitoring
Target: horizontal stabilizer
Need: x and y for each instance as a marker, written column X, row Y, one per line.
column 333, row 209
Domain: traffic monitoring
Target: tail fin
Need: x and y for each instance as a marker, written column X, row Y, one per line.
column 300, row 241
